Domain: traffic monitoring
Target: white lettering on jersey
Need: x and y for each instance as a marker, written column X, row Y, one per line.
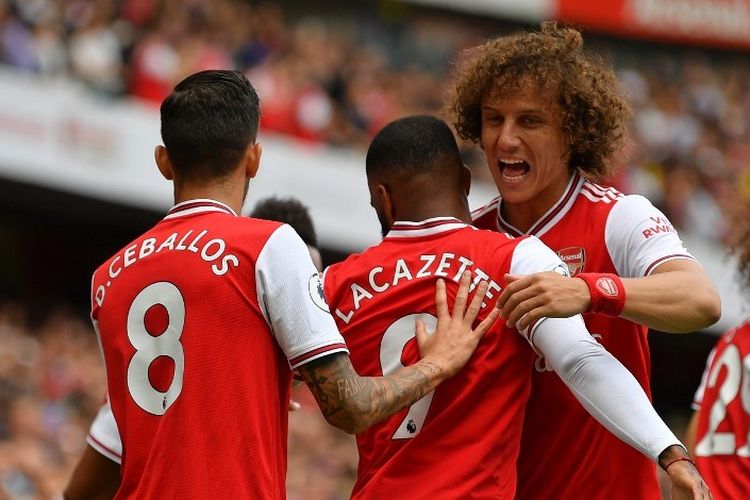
column 214, row 251
column 449, row 266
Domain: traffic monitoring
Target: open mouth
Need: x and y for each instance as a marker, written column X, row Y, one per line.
column 513, row 170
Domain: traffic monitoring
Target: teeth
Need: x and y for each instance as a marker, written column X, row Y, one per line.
column 511, row 161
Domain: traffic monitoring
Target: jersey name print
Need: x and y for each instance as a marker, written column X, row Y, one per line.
column 194, row 322
column 476, row 417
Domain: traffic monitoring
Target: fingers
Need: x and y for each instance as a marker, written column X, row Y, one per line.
column 519, row 312
column 512, row 288
column 441, row 299
column 487, row 322
column 420, row 332
column 476, row 303
column 459, row 306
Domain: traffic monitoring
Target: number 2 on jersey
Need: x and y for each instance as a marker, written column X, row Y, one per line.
column 737, row 381
column 394, row 340
column 150, row 347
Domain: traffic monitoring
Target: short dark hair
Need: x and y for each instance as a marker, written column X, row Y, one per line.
column 208, row 121
column 412, row 145
column 290, row 211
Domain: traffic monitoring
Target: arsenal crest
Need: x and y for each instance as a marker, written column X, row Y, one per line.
column 574, row 257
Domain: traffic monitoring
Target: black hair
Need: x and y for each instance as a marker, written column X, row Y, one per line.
column 413, row 145
column 290, row 211
column 208, row 121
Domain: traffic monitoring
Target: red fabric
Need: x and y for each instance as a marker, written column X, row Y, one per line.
column 723, row 456
column 224, row 435
column 607, row 293
column 468, row 444
column 566, row 454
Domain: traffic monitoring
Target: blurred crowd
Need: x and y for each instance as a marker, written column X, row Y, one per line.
column 336, row 77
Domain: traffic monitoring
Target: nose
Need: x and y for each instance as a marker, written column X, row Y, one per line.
column 508, row 137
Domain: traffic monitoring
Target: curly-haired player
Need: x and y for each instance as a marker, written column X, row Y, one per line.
column 550, row 119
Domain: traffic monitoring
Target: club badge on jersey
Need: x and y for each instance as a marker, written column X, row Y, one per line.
column 574, row 257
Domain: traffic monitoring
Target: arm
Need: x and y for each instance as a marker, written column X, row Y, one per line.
column 677, row 297
column 95, row 478
column 353, row 403
column 664, row 287
column 610, row 393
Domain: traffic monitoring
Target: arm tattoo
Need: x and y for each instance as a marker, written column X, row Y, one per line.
column 354, row 403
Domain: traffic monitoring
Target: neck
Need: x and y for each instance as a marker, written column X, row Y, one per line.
column 524, row 215
column 436, row 207
column 231, row 194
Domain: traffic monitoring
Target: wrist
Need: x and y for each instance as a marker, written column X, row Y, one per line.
column 607, row 293
column 673, row 454
column 435, row 369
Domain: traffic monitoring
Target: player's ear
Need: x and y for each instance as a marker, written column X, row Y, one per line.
column 252, row 160
column 466, row 178
column 386, row 202
column 163, row 162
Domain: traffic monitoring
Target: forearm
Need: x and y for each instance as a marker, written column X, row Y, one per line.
column 353, row 403
column 607, row 390
column 674, row 301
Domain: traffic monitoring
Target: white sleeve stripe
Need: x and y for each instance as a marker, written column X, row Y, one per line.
column 667, row 258
column 317, row 353
column 103, row 450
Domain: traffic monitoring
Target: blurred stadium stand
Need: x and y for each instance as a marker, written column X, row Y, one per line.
column 80, row 81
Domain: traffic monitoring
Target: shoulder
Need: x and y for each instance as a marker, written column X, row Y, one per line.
column 485, row 216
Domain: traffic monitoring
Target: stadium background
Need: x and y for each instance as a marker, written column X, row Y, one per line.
column 80, row 83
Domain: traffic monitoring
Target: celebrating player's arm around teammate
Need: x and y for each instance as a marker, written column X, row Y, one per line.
column 202, row 319
column 719, row 432
column 418, row 188
column 550, row 119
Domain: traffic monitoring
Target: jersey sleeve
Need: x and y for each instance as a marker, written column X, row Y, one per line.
column 532, row 256
column 603, row 386
column 639, row 237
column 104, row 436
column 291, row 297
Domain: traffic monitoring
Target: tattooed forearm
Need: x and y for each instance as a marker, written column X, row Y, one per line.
column 354, row 403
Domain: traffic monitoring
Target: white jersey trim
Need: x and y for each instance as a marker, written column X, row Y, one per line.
column 198, row 206
column 104, row 436
column 427, row 227
column 552, row 216
column 289, row 295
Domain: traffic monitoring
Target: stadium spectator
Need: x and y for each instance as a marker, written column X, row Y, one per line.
column 549, row 120
column 245, row 343
column 719, row 431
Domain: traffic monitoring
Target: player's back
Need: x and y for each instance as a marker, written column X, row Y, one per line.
column 462, row 440
column 722, row 447
column 198, row 386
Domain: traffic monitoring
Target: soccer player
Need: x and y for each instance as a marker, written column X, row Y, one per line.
column 201, row 318
column 97, row 474
column 549, row 120
column 719, row 431
column 462, row 440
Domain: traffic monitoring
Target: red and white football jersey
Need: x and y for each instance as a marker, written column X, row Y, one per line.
column 461, row 440
column 722, row 443
column 593, row 229
column 200, row 320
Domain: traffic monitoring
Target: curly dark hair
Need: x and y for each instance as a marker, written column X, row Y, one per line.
column 552, row 60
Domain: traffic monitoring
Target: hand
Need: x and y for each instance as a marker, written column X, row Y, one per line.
column 526, row 299
column 687, row 483
column 454, row 341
